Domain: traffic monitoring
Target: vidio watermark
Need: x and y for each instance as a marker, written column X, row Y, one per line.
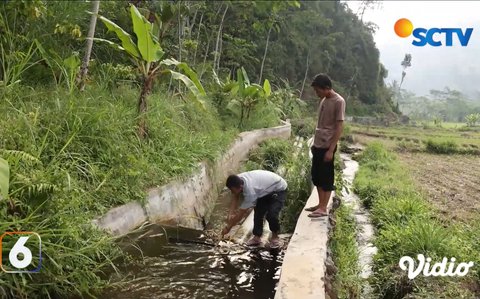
column 443, row 268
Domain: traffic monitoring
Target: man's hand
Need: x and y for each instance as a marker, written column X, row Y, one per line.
column 225, row 230
column 328, row 156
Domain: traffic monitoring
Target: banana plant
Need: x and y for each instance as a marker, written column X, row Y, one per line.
column 146, row 53
column 246, row 95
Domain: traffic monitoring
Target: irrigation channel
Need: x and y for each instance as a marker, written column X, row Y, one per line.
column 365, row 230
column 183, row 263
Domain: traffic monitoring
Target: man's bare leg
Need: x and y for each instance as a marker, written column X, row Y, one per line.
column 323, row 198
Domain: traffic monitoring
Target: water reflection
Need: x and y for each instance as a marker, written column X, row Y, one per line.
column 182, row 263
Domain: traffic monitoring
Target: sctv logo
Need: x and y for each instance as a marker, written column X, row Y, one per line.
column 435, row 37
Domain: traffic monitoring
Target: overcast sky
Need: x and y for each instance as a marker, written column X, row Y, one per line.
column 432, row 67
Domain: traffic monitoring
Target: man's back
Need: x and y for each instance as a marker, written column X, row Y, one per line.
column 259, row 183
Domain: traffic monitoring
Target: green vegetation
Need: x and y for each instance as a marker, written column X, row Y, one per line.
column 437, row 140
column 81, row 157
column 82, row 133
column 299, row 187
column 343, row 243
column 270, row 155
column 441, row 147
column 407, row 227
column 277, row 156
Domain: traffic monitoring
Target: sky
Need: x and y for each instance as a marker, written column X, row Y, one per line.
column 432, row 67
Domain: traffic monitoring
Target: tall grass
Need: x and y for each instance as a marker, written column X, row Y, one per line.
column 274, row 154
column 406, row 226
column 343, row 243
column 270, row 155
column 299, row 187
column 81, row 156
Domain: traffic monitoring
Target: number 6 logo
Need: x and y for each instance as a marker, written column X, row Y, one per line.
column 20, row 256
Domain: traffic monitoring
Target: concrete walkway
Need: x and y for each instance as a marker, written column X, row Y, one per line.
column 303, row 266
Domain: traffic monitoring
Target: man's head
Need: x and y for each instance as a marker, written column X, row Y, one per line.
column 235, row 184
column 322, row 85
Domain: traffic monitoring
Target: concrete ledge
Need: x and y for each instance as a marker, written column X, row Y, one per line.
column 189, row 202
column 122, row 219
column 303, row 266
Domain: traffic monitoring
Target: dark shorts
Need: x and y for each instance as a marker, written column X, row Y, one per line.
column 323, row 173
column 268, row 207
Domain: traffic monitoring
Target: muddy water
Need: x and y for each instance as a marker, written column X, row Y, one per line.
column 365, row 231
column 182, row 263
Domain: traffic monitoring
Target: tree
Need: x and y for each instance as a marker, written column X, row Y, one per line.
column 88, row 50
column 406, row 62
column 147, row 56
column 472, row 119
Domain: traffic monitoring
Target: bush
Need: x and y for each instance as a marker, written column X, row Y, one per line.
column 271, row 154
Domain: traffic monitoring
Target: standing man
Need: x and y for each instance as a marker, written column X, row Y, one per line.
column 264, row 190
column 329, row 129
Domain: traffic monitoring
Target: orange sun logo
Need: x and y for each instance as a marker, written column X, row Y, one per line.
column 403, row 27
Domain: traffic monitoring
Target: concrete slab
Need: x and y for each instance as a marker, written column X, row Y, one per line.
column 303, row 266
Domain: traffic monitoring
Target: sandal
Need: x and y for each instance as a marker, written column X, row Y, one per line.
column 253, row 242
column 311, row 209
column 274, row 243
column 317, row 215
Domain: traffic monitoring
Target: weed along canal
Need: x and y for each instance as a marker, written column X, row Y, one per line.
column 170, row 262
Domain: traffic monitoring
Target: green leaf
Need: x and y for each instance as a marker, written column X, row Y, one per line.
column 72, row 62
column 115, row 45
column 188, row 71
column 252, row 91
column 190, row 85
column 43, row 53
column 4, row 177
column 127, row 43
column 245, row 76
column 241, row 83
column 267, row 88
column 149, row 48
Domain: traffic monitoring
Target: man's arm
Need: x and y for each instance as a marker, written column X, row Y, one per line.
column 336, row 137
column 232, row 221
column 233, row 205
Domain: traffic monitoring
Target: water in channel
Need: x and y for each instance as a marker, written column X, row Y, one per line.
column 182, row 263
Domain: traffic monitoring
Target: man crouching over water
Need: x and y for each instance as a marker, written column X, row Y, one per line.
column 264, row 190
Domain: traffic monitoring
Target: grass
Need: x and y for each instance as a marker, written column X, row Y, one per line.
column 406, row 226
column 436, row 140
column 274, row 155
column 74, row 156
column 270, row 155
column 343, row 243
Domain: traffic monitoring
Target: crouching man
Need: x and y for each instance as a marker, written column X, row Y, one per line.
column 263, row 190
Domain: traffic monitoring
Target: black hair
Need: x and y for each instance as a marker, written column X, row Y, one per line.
column 234, row 181
column 322, row 81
